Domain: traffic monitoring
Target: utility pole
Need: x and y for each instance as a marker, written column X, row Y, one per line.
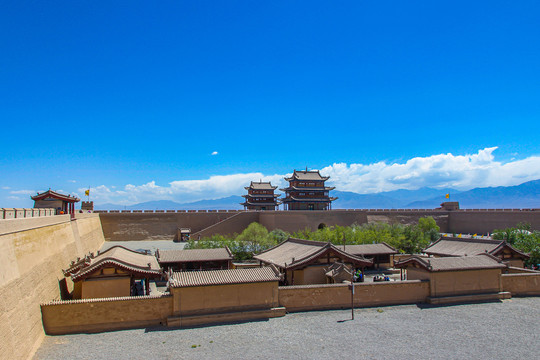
column 352, row 293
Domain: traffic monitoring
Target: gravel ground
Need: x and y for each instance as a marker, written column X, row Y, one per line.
column 500, row 330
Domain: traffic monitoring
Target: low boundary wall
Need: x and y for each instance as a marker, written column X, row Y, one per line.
column 17, row 213
column 97, row 315
column 338, row 296
column 524, row 284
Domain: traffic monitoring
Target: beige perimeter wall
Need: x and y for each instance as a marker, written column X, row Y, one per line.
column 522, row 284
column 225, row 298
column 338, row 296
column 95, row 315
column 33, row 252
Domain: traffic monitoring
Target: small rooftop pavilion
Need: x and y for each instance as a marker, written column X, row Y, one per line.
column 113, row 273
column 306, row 261
column 51, row 199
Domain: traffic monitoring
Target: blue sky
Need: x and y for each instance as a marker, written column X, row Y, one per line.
column 133, row 98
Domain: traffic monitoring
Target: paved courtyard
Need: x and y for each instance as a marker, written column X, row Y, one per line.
column 500, row 330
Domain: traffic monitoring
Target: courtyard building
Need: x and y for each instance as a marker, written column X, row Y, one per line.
column 305, row 262
column 115, row 272
column 470, row 246
column 458, row 279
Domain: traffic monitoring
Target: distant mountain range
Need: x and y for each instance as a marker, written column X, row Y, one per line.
column 526, row 195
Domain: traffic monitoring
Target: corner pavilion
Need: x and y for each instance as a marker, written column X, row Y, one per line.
column 52, row 199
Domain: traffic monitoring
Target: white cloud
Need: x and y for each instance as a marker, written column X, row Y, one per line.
column 23, row 192
column 214, row 153
column 444, row 170
column 5, row 188
column 72, row 181
column 14, row 198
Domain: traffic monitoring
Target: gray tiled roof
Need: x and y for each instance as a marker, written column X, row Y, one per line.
column 261, row 186
column 193, row 255
column 466, row 246
column 119, row 257
column 307, row 175
column 224, row 277
column 369, row 249
column 478, row 262
column 289, row 251
column 294, row 253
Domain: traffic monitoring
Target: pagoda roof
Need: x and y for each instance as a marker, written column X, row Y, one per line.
column 325, row 188
column 261, row 203
column 262, row 195
column 293, row 199
column 53, row 194
column 260, row 186
column 312, row 175
column 297, row 253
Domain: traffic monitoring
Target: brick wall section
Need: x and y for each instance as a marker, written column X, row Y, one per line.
column 338, row 296
column 525, row 284
column 33, row 252
column 98, row 315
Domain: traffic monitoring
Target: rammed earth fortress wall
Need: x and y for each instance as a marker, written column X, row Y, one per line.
column 33, row 252
column 150, row 225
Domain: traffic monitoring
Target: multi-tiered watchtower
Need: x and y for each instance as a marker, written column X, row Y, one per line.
column 307, row 191
column 261, row 196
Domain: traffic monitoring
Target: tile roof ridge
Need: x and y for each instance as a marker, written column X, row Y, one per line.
column 307, row 242
column 122, row 247
column 92, row 300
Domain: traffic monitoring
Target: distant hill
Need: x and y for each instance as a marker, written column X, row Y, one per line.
column 397, row 199
column 526, row 195
column 228, row 203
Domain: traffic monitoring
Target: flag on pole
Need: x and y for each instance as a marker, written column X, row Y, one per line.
column 87, row 192
column 447, row 196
